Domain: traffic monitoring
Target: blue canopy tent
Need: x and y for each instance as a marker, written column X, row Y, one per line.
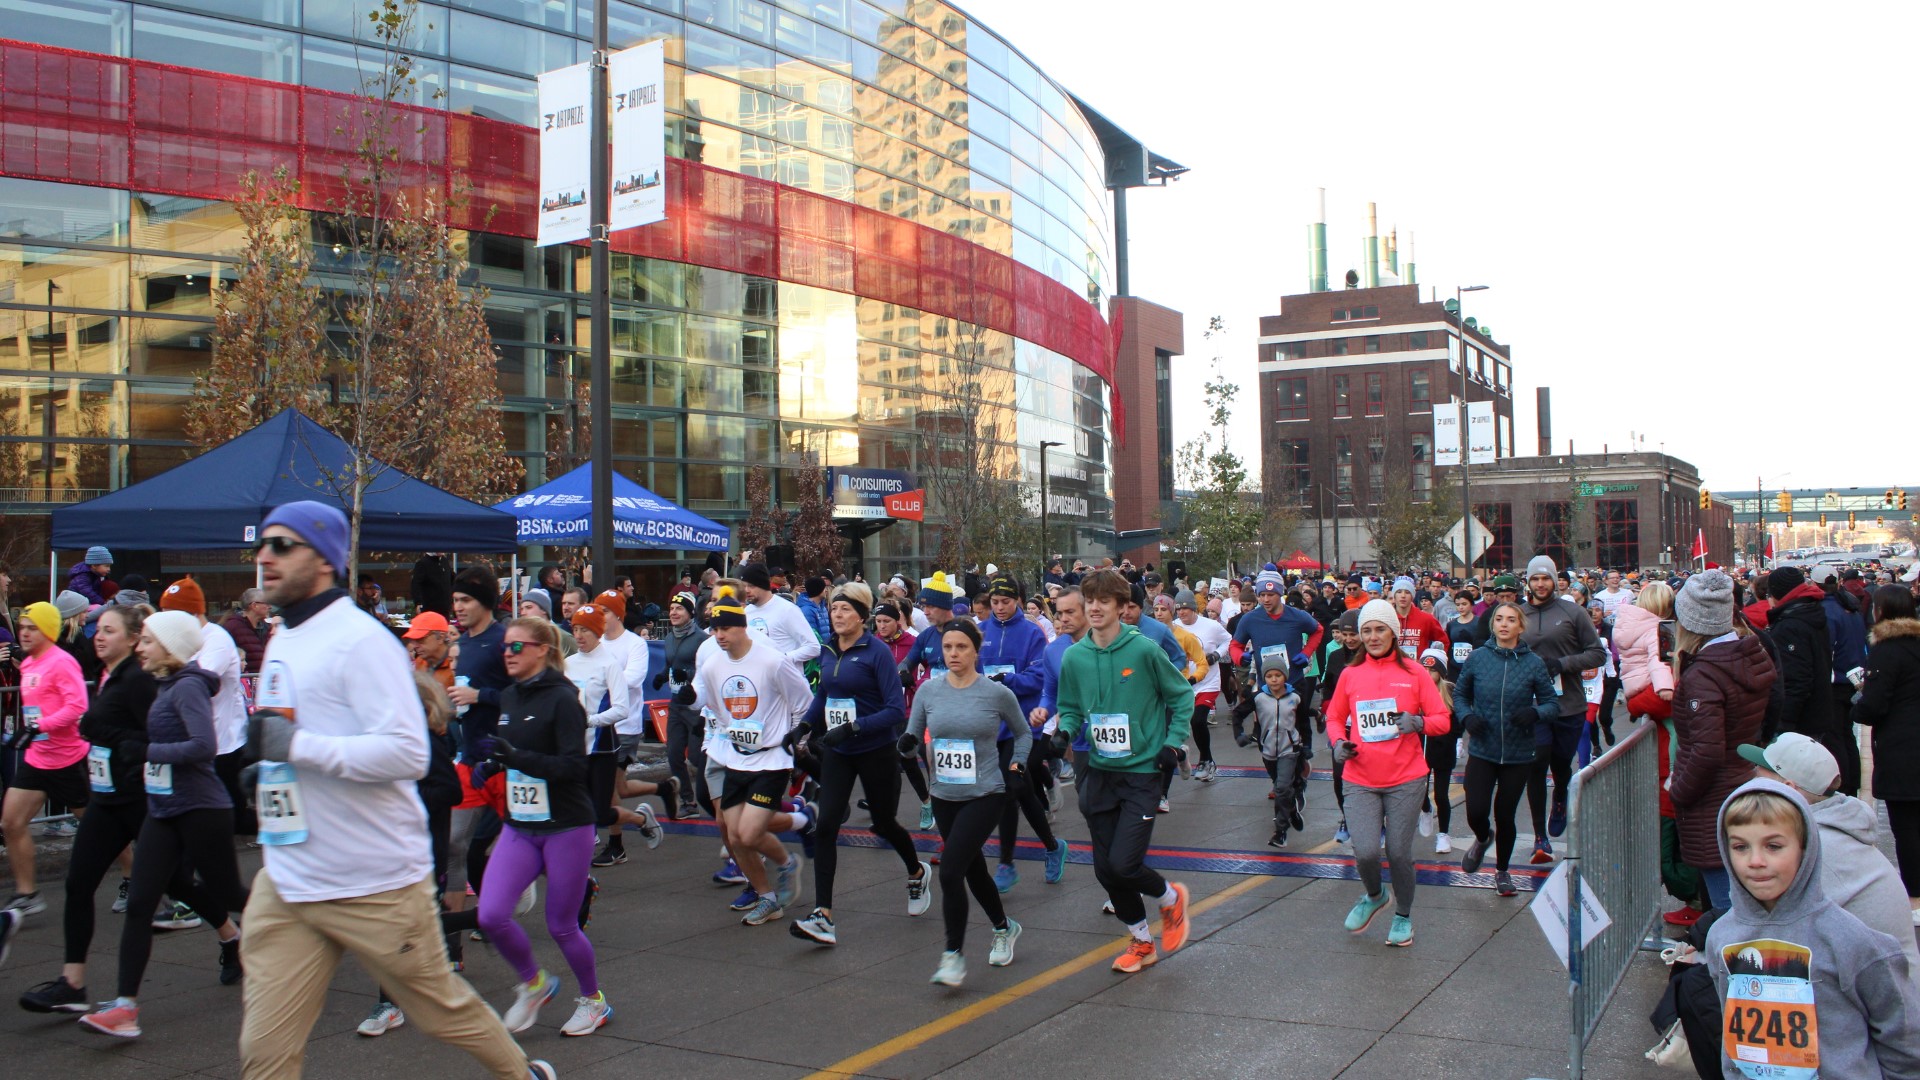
column 219, row 499
column 560, row 511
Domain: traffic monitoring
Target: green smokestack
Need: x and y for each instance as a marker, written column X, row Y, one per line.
column 1317, row 248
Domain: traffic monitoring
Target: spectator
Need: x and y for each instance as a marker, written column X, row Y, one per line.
column 87, row 575
column 368, row 599
column 431, row 588
column 249, row 628
column 1890, row 705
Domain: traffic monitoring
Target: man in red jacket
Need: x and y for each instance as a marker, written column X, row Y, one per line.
column 1419, row 630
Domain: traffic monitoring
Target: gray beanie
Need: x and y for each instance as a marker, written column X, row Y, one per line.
column 1184, row 599
column 1705, row 604
column 70, row 603
column 540, row 597
column 1540, row 564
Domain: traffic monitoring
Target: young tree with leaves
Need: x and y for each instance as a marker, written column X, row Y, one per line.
column 1222, row 522
column 1412, row 532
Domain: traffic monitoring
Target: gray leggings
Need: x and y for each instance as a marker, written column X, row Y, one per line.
column 1400, row 807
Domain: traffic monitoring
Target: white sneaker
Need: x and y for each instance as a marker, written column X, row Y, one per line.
column 952, row 970
column 1002, row 952
column 528, row 998
column 384, row 1018
column 1443, row 844
column 1426, row 823
column 527, row 899
column 920, row 891
column 650, row 830
column 589, row 1014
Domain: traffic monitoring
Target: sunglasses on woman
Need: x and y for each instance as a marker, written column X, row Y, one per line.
column 517, row 647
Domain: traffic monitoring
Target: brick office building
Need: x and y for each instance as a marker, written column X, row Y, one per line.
column 1150, row 337
column 1619, row 511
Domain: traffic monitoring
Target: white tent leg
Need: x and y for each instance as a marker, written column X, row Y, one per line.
column 53, row 576
column 513, row 585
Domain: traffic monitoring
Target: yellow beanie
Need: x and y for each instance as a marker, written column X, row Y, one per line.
column 45, row 618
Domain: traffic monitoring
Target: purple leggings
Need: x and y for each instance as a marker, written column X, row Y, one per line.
column 517, row 860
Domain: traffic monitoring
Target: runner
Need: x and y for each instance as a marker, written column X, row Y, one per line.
column 1562, row 636
column 1214, row 645
column 964, row 714
column 686, row 750
column 775, row 618
column 1194, row 667
column 1503, row 693
column 855, row 719
column 1272, row 707
column 1071, row 613
column 1136, row 709
column 1383, row 704
column 1011, row 650
column 53, row 696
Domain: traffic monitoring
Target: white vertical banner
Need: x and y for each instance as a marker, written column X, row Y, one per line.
column 1480, row 433
column 1446, row 433
column 637, row 77
column 566, row 153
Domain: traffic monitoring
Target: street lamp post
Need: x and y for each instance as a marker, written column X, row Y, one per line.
column 1046, row 538
column 47, row 426
column 1466, row 472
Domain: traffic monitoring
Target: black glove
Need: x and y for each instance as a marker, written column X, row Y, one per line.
column 659, row 680
column 908, row 745
column 906, row 681
column 502, row 749
column 1345, row 750
column 998, row 676
column 793, row 736
column 1017, row 783
column 680, row 674
column 481, row 773
column 1242, row 739
column 1547, row 713
column 1552, row 665
column 1168, row 759
column 837, row 735
column 1062, row 742
column 1474, row 723
column 684, row 696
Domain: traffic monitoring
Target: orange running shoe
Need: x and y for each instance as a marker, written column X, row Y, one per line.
column 1173, row 920
column 1139, row 955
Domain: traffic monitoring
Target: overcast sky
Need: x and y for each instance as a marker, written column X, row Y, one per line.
column 1696, row 219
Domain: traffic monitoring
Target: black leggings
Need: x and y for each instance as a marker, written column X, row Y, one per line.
column 227, row 767
column 1202, row 735
column 1903, row 820
column 1119, row 810
column 165, row 858
column 1562, row 768
column 684, row 748
column 1495, row 787
column 965, row 827
column 1025, row 800
column 105, row 831
column 878, row 771
column 916, row 777
column 1443, row 754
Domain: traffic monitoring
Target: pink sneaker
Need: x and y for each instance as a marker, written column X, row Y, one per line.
column 121, row 1021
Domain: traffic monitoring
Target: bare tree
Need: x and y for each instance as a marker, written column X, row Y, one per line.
column 765, row 520
column 968, row 461
column 1408, row 531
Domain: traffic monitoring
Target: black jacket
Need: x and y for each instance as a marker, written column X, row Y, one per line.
column 543, row 720
column 116, row 718
column 432, row 585
column 1799, row 631
column 1890, row 705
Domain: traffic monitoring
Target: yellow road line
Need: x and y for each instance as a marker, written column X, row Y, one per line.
column 959, row 1018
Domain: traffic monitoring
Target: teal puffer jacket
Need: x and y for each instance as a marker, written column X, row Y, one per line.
column 1510, row 690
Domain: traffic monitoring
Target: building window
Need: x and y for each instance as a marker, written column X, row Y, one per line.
column 1417, row 341
column 1370, row 311
column 1422, row 465
column 1616, row 532
column 1296, row 474
column 1337, row 347
column 1553, row 532
column 1342, row 396
column 1420, row 389
column 1498, row 518
column 1373, row 343
column 1376, row 467
column 1293, row 350
column 1343, row 468
column 1163, row 410
column 1293, row 400
column 1376, row 394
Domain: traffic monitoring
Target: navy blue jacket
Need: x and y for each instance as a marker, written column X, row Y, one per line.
column 1018, row 643
column 1511, row 690
column 1257, row 630
column 1848, row 632
column 180, row 733
column 866, row 674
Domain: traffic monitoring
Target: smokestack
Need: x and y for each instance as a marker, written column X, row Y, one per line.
column 1393, row 251
column 1543, row 404
column 1317, row 247
column 1370, row 252
column 1408, row 278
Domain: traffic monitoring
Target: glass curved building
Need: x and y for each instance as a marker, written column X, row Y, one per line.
column 869, row 202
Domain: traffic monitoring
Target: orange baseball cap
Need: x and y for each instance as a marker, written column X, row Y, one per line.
column 427, row 622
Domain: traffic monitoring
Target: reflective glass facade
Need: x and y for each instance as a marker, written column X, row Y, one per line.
column 903, row 109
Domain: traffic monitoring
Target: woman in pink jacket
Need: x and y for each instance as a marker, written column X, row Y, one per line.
column 1382, row 705
column 53, row 695
column 1646, row 678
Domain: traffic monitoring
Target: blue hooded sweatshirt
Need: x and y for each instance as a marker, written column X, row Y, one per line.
column 865, row 675
column 1016, row 644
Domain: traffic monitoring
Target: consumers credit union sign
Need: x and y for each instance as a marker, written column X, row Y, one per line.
column 875, row 494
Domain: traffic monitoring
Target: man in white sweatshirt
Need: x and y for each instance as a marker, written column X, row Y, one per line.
column 774, row 617
column 342, row 739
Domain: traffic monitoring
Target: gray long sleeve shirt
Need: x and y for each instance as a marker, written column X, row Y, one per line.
column 965, row 727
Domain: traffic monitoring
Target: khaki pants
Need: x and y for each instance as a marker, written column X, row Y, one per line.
column 291, row 951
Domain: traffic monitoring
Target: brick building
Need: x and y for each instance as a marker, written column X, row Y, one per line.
column 1150, row 337
column 1619, row 511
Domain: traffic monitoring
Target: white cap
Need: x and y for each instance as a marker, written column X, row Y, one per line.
column 1799, row 760
column 1823, row 573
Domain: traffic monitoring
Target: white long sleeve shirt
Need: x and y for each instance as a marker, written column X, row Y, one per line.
column 631, row 649
column 595, row 675
column 781, row 623
column 219, row 656
column 758, row 699
column 1213, row 639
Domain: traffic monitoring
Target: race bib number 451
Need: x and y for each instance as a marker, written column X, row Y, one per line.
column 1770, row 1028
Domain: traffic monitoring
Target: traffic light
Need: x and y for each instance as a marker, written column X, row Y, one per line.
column 1784, row 500
column 1903, row 500
column 1706, row 499
column 1823, row 521
column 1850, row 524
column 1890, row 493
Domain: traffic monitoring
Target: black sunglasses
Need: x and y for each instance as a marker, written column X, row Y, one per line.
column 279, row 545
column 518, row 647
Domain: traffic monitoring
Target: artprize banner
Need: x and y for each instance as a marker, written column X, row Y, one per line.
column 566, row 155
column 1446, row 434
column 1480, row 433
column 637, row 77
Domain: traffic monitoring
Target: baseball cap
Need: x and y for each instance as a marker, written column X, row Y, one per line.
column 1803, row 762
column 1822, row 574
column 1504, row 583
column 427, row 622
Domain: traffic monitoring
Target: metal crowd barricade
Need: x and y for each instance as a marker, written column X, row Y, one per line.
column 1613, row 850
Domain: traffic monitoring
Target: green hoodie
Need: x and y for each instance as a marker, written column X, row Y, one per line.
column 1130, row 677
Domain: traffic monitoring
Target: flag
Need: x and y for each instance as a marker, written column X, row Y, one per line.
column 1699, row 544
column 1769, row 548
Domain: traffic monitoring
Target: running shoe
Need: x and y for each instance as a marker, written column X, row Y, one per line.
column 1295, row 821
column 1006, row 877
column 55, row 996
column 1056, row 861
column 1341, row 835
column 540, row 1070
column 230, row 969
column 745, row 901
column 1689, row 915
column 528, row 999
column 384, row 1018
column 650, row 829
column 1278, row 839
column 1476, row 854
column 952, row 970
column 807, row 833
column 587, row 898
column 816, row 927
column 1557, row 817
column 1173, row 920
column 1401, row 932
column 113, row 1018
column 1503, row 884
column 1066, row 772
column 120, row 898
column 613, row 855
column 764, row 910
column 9, row 926
column 1363, row 912
column 670, row 797
column 176, row 916
column 920, row 891
column 1106, row 906
column 1443, row 844
column 1002, row 952
column 1426, row 823
column 590, row 1014
column 926, row 816
column 1166, row 807
column 1542, row 851
column 1139, row 954
column 729, row 874
column 1186, row 769
column 528, row 897
column 786, row 886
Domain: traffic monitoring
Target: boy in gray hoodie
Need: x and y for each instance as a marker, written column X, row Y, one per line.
column 1273, row 708
column 1806, row 989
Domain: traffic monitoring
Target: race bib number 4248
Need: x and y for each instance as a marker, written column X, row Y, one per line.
column 1769, row 1025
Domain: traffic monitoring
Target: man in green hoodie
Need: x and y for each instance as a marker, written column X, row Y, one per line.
column 1137, row 711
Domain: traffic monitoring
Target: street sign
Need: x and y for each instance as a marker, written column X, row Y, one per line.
column 1456, row 539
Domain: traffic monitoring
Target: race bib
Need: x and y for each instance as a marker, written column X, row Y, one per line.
column 1770, row 1028
column 953, row 761
column 283, row 813
column 744, row 733
column 527, row 797
column 1374, row 720
column 1275, row 655
column 716, row 733
column 1593, row 685
column 999, row 669
column 1110, row 735
column 159, row 778
column 100, row 770
column 839, row 712
column 1462, row 650
column 30, row 715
